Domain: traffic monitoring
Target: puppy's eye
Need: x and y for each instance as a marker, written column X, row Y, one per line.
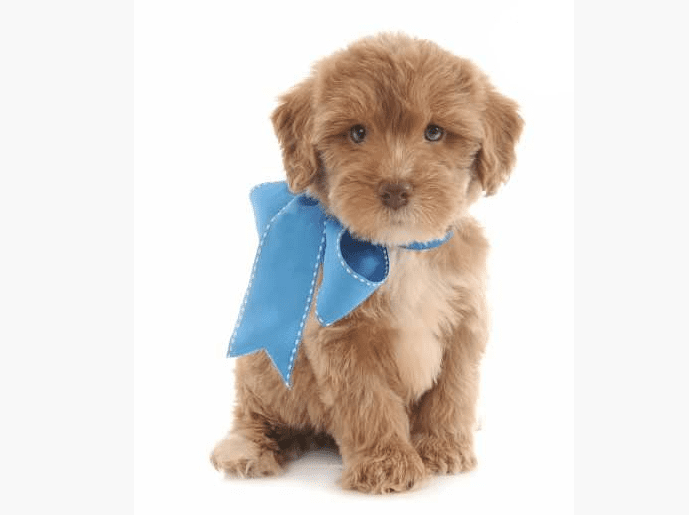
column 357, row 133
column 433, row 133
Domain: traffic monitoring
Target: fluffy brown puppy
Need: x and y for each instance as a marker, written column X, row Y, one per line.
column 396, row 138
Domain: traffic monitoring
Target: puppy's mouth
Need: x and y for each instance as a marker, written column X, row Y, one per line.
column 397, row 220
column 391, row 214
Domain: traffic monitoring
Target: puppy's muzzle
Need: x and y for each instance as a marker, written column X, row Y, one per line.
column 394, row 194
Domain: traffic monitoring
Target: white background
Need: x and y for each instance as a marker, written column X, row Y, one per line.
column 207, row 78
column 113, row 395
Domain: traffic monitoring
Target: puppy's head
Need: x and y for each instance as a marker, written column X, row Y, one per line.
column 396, row 137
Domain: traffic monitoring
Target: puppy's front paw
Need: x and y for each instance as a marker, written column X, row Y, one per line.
column 239, row 456
column 391, row 468
column 447, row 455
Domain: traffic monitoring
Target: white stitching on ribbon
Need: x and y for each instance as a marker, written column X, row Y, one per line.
column 253, row 273
column 307, row 308
column 351, row 272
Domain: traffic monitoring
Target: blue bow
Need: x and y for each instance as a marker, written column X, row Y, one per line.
column 296, row 236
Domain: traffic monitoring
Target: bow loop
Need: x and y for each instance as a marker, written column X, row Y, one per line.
column 267, row 199
column 352, row 266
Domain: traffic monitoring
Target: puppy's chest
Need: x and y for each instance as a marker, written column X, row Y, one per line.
column 422, row 311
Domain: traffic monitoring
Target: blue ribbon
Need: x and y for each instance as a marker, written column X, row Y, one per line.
column 296, row 237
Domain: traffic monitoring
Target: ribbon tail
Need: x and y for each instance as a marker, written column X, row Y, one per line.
column 280, row 291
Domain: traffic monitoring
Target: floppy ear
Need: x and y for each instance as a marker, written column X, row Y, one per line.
column 293, row 124
column 502, row 126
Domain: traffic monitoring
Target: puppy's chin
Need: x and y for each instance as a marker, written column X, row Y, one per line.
column 400, row 234
column 383, row 227
column 396, row 230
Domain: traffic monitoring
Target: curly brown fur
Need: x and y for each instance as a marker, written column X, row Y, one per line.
column 395, row 383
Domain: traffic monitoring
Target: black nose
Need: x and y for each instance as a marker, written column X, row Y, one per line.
column 395, row 194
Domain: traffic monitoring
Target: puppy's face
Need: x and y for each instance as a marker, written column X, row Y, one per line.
column 396, row 137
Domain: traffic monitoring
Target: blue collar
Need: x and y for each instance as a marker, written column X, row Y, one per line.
column 418, row 245
column 296, row 237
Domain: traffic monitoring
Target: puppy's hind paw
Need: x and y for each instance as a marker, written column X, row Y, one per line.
column 241, row 457
column 445, row 455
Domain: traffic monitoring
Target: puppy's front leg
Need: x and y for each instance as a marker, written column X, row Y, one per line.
column 443, row 422
column 356, row 374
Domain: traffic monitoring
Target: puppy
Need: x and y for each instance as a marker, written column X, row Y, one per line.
column 396, row 138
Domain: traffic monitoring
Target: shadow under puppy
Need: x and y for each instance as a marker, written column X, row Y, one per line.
column 396, row 138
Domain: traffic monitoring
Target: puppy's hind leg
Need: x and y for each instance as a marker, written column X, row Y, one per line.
column 249, row 450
